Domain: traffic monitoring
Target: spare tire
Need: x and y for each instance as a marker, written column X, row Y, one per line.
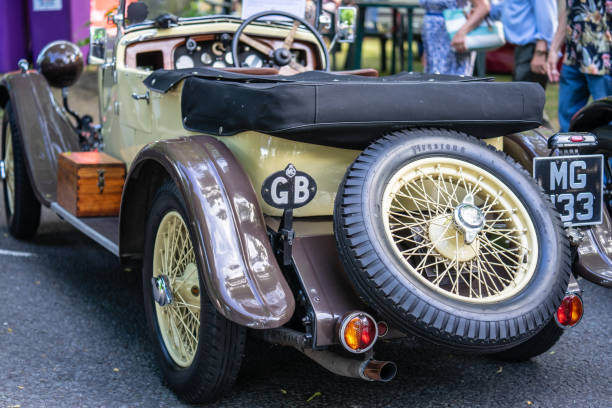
column 450, row 239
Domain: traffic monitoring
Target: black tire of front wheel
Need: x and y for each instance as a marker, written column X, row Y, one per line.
column 411, row 305
column 538, row 344
column 221, row 342
column 25, row 218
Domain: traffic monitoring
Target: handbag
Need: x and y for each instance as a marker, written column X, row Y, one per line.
column 489, row 35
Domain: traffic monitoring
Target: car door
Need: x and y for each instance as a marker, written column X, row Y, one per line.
column 128, row 113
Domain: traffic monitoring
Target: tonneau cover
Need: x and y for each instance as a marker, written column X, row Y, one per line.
column 349, row 111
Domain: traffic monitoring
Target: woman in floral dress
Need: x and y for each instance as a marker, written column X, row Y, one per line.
column 444, row 56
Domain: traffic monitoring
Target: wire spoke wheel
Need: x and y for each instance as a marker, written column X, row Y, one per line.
column 9, row 169
column 198, row 367
column 174, row 259
column 460, row 230
column 451, row 240
column 21, row 206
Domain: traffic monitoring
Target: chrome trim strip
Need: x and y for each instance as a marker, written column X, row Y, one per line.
column 85, row 229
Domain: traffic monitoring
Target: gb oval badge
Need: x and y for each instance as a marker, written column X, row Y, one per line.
column 288, row 188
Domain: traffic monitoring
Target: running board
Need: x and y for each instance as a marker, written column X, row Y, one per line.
column 82, row 225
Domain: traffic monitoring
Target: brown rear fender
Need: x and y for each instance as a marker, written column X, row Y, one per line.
column 242, row 276
column 598, row 113
column 525, row 146
column 44, row 128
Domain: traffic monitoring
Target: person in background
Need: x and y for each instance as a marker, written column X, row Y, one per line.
column 442, row 55
column 328, row 5
column 586, row 29
column 530, row 25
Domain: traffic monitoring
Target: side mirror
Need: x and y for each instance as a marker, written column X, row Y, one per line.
column 97, row 45
column 116, row 19
column 346, row 24
column 325, row 23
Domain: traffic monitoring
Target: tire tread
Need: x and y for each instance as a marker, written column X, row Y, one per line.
column 359, row 256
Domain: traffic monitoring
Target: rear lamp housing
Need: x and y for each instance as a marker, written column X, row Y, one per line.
column 358, row 332
column 572, row 140
column 570, row 311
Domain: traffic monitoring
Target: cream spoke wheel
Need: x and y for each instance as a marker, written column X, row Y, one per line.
column 451, row 240
column 174, row 262
column 460, row 230
column 9, row 169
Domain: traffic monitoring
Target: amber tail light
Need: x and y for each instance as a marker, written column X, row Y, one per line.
column 358, row 332
column 570, row 311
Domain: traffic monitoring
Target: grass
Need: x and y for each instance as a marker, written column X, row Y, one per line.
column 371, row 59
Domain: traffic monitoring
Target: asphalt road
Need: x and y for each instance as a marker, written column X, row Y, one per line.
column 72, row 334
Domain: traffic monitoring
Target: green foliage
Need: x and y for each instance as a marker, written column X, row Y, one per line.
column 111, row 11
column 196, row 9
column 347, row 17
column 99, row 34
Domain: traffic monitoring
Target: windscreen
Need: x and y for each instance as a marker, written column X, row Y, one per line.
column 139, row 11
column 142, row 11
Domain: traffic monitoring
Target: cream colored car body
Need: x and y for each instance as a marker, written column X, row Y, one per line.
column 130, row 124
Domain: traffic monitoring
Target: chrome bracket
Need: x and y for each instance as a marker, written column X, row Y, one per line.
column 23, row 65
column 573, row 288
column 140, row 38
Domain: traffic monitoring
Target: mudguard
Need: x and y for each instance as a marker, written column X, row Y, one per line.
column 242, row 276
column 45, row 130
column 598, row 113
column 524, row 146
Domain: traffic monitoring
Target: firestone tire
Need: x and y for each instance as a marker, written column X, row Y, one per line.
column 21, row 206
column 199, row 351
column 383, row 253
column 538, row 344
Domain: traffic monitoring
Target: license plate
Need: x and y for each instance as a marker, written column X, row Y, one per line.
column 574, row 185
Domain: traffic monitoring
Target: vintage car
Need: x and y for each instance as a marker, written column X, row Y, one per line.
column 590, row 144
column 268, row 196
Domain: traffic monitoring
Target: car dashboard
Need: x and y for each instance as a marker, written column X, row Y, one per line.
column 211, row 50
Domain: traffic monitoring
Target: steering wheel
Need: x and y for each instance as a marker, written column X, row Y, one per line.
column 281, row 56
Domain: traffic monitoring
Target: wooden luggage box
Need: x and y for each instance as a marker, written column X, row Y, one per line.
column 89, row 184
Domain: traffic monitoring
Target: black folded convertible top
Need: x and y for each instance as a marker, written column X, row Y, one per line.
column 349, row 111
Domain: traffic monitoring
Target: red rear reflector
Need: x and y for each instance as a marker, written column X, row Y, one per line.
column 570, row 311
column 577, row 138
column 383, row 328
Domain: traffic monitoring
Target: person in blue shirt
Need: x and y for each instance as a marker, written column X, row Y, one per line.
column 530, row 25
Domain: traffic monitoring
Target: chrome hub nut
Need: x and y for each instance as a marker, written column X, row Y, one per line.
column 469, row 220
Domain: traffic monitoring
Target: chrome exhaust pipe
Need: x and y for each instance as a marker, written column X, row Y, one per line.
column 383, row 371
column 369, row 369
